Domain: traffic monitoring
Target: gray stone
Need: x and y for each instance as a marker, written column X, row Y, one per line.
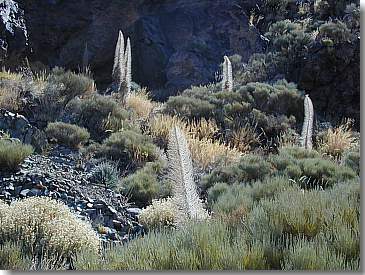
column 134, row 211
column 24, row 192
column 18, row 127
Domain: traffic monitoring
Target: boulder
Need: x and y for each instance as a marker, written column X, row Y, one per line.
column 17, row 126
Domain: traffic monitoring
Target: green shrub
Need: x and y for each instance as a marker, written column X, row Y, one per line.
column 323, row 172
column 298, row 152
column 12, row 153
column 194, row 103
column 143, row 186
column 216, row 191
column 58, row 89
column 68, row 134
column 273, row 108
column 351, row 159
column 335, row 31
column 71, row 84
column 254, row 258
column 250, row 168
column 308, row 169
column 128, row 146
column 259, row 68
column 270, row 187
column 106, row 174
column 99, row 114
column 307, row 255
column 291, row 41
column 47, row 230
column 202, row 246
column 332, row 214
column 233, row 205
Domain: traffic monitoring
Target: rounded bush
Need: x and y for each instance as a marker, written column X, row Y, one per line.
column 46, row 228
column 351, row 159
column 249, row 169
column 12, row 153
column 128, row 146
column 324, row 172
column 98, row 114
column 161, row 213
column 67, row 134
column 143, row 186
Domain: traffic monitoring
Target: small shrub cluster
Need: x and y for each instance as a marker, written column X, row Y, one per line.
column 249, row 168
column 128, row 146
column 351, row 159
column 46, row 230
column 334, row 33
column 99, row 115
column 270, row 108
column 309, row 169
column 143, row 186
column 12, row 153
column 58, row 88
column 68, row 134
column 71, row 84
column 161, row 213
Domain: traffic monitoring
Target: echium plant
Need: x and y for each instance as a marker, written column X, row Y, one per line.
column 122, row 67
column 306, row 137
column 185, row 194
column 227, row 80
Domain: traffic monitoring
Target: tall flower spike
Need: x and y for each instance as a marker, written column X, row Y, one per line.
column 128, row 66
column 224, row 76
column 227, row 82
column 306, row 137
column 118, row 66
column 185, row 194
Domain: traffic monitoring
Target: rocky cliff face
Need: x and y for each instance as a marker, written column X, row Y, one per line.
column 13, row 31
column 175, row 43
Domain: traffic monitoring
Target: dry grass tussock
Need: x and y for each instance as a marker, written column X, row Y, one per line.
column 140, row 103
column 338, row 140
column 205, row 150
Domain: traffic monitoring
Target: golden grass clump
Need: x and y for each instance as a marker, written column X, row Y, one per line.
column 207, row 152
column 336, row 141
column 244, row 138
column 204, row 149
column 140, row 103
column 8, row 75
column 160, row 126
column 10, row 99
column 203, row 128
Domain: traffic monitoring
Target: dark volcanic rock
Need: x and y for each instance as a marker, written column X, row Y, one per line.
column 17, row 126
column 13, row 32
column 175, row 43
